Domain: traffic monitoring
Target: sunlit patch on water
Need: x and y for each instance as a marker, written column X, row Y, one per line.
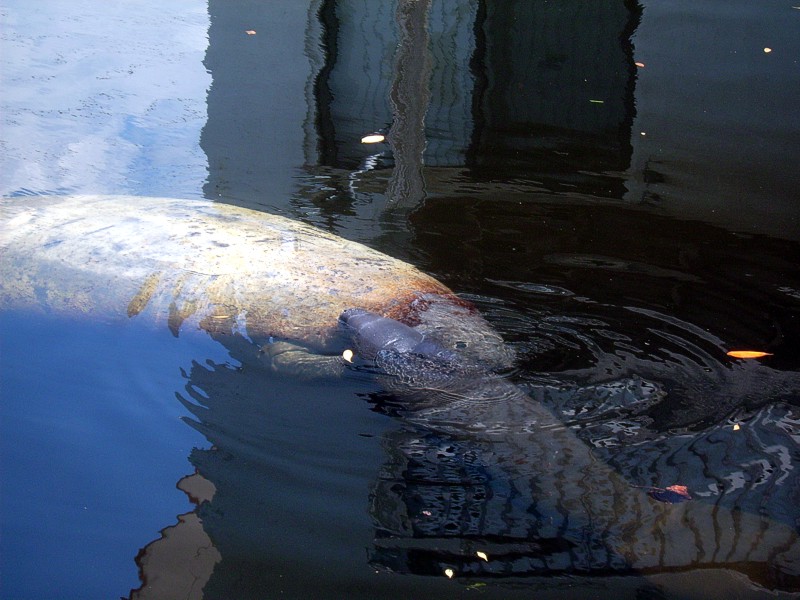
column 534, row 288
column 610, row 263
column 790, row 291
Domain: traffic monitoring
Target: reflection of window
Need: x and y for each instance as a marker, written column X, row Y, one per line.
column 511, row 83
column 557, row 86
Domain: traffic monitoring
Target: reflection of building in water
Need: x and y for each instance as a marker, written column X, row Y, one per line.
column 525, row 87
column 353, row 90
column 530, row 89
column 556, row 88
column 256, row 103
column 481, row 509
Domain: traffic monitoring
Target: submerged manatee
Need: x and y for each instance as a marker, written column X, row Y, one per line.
column 556, row 508
column 226, row 269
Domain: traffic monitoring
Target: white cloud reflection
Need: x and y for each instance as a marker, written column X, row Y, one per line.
column 103, row 97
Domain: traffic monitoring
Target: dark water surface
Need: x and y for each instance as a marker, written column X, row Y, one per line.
column 613, row 184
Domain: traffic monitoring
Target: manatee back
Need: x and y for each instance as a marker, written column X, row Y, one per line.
column 166, row 260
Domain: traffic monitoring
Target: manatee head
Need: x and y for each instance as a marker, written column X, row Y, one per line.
column 423, row 373
column 458, row 325
column 432, row 326
column 372, row 334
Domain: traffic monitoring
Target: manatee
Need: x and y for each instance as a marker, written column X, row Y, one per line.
column 442, row 387
column 304, row 295
column 557, row 508
column 222, row 268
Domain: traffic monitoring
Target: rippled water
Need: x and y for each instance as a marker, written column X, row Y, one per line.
column 622, row 225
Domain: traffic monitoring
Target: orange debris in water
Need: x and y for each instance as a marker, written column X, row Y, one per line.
column 748, row 354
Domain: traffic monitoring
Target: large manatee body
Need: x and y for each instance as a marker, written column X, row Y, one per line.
column 224, row 268
column 231, row 270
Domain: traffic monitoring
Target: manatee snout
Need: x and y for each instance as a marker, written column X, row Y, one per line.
column 372, row 333
column 443, row 329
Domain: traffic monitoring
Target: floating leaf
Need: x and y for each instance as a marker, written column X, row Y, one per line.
column 736, row 427
column 748, row 354
column 449, row 573
column 348, row 355
column 482, row 555
column 767, row 50
column 640, row 65
column 673, row 494
column 373, row 138
column 596, row 101
column 250, row 32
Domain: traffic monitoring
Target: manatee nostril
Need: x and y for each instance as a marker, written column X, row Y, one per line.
column 350, row 313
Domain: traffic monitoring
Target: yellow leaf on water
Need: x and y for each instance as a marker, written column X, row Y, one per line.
column 250, row 32
column 736, row 427
column 449, row 573
column 373, row 138
column 748, row 354
column 348, row 355
column 482, row 555
column 640, row 65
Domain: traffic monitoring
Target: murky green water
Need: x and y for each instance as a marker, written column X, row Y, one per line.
column 613, row 185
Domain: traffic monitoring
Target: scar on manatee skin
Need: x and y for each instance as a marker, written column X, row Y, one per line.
column 408, row 310
column 141, row 299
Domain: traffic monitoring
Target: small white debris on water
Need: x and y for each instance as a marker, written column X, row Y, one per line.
column 373, row 138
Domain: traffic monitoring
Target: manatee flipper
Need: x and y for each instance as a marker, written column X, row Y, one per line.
column 297, row 361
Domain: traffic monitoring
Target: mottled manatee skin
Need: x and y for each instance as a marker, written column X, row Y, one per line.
column 223, row 268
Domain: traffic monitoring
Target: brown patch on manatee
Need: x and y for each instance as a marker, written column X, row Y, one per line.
column 178, row 314
column 408, row 307
column 220, row 319
column 145, row 293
